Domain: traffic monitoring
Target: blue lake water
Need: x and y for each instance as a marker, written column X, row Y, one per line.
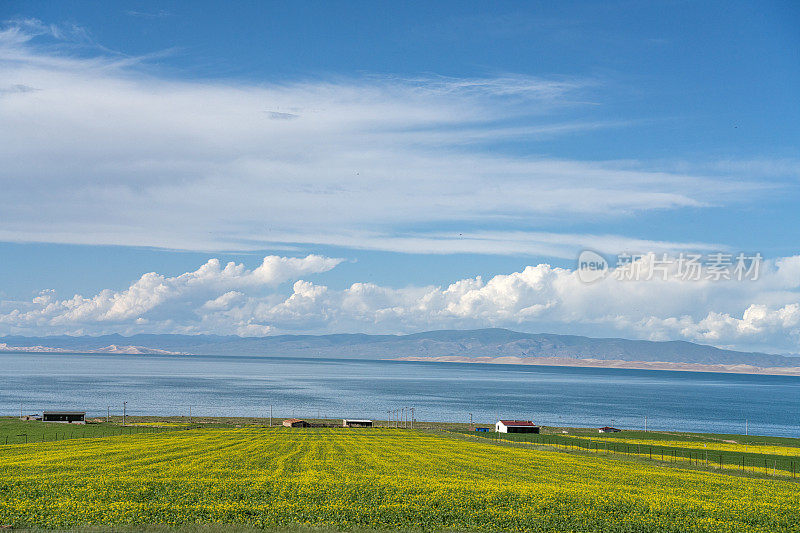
column 336, row 388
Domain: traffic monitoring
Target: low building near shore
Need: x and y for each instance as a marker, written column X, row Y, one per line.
column 516, row 426
column 608, row 429
column 356, row 423
column 295, row 423
column 65, row 417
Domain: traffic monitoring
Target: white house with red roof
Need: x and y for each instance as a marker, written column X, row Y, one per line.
column 516, row 426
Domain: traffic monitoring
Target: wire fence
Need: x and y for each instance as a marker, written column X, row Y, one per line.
column 767, row 464
column 33, row 432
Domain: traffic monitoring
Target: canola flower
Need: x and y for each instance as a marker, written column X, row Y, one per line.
column 769, row 460
column 161, row 424
column 370, row 478
column 769, row 449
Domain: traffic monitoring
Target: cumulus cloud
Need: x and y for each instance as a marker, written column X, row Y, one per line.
column 162, row 301
column 761, row 314
column 116, row 152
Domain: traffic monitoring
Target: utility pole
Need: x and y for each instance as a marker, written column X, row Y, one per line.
column 645, row 423
column 470, row 422
column 190, row 414
column 124, row 405
column 108, row 414
column 412, row 418
column 270, row 415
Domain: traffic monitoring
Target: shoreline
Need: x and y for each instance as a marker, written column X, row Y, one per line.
column 610, row 363
column 501, row 360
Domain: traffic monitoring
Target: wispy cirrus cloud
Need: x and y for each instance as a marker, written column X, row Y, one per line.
column 532, row 243
column 159, row 14
column 108, row 151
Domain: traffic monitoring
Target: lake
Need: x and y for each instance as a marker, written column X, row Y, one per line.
column 337, row 388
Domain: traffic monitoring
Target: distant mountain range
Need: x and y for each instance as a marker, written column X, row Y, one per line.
column 111, row 348
column 483, row 343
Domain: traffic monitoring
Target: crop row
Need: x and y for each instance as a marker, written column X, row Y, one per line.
column 371, row 478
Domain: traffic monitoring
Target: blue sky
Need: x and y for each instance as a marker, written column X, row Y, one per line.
column 423, row 145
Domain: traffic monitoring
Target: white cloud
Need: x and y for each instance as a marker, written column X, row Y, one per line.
column 561, row 245
column 762, row 314
column 100, row 148
column 158, row 300
column 118, row 153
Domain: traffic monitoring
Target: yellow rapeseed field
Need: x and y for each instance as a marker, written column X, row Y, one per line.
column 704, row 445
column 161, row 424
column 370, row 479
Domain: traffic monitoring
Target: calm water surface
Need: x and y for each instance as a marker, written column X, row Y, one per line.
column 247, row 386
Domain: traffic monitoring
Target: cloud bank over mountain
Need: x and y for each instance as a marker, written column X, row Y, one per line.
column 277, row 297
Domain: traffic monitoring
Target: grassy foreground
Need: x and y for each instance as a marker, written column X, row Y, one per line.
column 13, row 431
column 369, row 479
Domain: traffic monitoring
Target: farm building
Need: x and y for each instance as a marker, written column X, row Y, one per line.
column 28, row 418
column 608, row 429
column 353, row 423
column 295, row 423
column 516, row 426
column 67, row 417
